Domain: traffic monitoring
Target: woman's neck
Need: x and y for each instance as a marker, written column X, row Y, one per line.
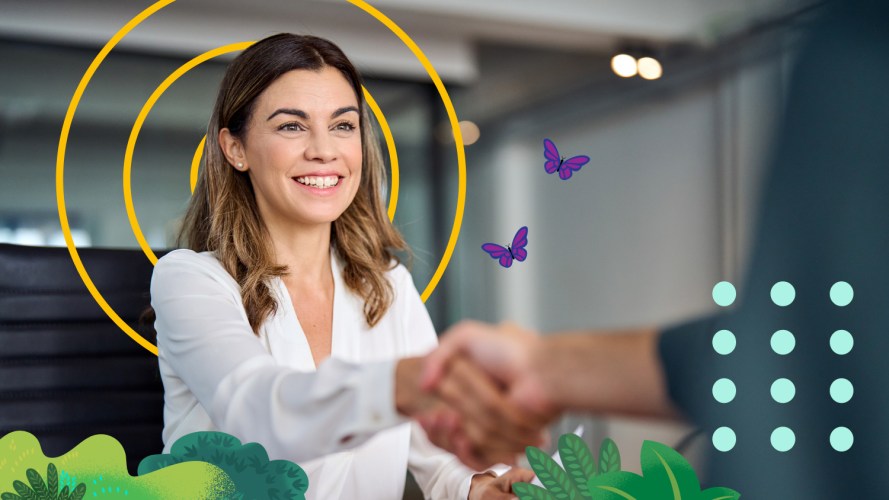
column 305, row 251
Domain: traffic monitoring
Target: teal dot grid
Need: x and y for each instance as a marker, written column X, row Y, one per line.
column 783, row 390
column 724, row 390
column 783, row 342
column 841, row 293
column 841, row 439
column 724, row 342
column 724, row 439
column 783, row 293
column 841, row 390
column 724, row 293
column 841, row 342
column 783, row 439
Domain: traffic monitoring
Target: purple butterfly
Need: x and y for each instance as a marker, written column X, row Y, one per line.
column 556, row 162
column 515, row 251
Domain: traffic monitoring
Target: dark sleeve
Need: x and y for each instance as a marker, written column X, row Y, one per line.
column 684, row 350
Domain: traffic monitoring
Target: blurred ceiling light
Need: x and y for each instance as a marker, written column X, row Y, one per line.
column 650, row 68
column 624, row 65
column 470, row 132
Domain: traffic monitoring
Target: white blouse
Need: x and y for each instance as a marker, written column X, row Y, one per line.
column 338, row 422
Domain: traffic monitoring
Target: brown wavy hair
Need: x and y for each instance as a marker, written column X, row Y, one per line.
column 223, row 217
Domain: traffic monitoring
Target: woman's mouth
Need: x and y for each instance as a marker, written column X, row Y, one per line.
column 318, row 182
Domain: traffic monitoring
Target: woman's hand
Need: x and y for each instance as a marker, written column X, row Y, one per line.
column 488, row 487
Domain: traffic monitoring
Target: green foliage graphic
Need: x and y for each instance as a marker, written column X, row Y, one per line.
column 666, row 475
column 98, row 466
column 254, row 476
column 609, row 457
column 578, row 462
column 40, row 490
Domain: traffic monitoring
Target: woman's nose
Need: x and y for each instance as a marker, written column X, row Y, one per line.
column 321, row 147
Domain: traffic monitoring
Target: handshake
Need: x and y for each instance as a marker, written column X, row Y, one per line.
column 489, row 391
column 480, row 395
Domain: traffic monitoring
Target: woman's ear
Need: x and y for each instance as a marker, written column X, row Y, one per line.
column 233, row 149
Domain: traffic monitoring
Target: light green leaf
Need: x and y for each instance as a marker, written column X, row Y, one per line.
column 609, row 457
column 527, row 491
column 619, row 485
column 578, row 462
column 719, row 494
column 668, row 472
column 551, row 475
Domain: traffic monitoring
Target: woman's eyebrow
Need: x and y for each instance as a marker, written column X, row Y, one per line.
column 302, row 114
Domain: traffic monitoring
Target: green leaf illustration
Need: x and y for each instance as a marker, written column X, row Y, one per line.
column 78, row 492
column 248, row 465
column 669, row 472
column 9, row 496
column 52, row 481
column 63, row 495
column 527, row 491
column 719, row 494
column 621, row 485
column 23, row 490
column 578, row 462
column 551, row 475
column 37, row 483
column 609, row 457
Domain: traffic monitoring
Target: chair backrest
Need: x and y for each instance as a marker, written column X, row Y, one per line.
column 66, row 370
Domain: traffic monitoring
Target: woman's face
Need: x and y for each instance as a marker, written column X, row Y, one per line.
column 302, row 148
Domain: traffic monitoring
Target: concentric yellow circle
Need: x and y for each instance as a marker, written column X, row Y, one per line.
column 145, row 14
column 159, row 91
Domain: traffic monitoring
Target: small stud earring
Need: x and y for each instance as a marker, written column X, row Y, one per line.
column 240, row 166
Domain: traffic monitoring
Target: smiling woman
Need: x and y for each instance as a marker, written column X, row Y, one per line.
column 289, row 269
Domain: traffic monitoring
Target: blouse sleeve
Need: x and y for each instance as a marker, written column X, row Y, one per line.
column 204, row 335
column 438, row 473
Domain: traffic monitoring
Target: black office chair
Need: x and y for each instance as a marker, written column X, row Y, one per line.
column 66, row 370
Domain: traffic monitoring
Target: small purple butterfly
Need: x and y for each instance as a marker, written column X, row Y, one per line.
column 556, row 162
column 515, row 251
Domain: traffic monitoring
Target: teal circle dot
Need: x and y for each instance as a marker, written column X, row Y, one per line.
column 724, row 293
column 841, row 293
column 841, row 439
column 783, row 342
column 783, row 390
column 724, row 390
column 783, row 293
column 724, row 439
column 841, row 342
column 724, row 342
column 783, row 439
column 841, row 390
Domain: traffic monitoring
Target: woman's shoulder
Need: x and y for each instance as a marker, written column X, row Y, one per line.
column 185, row 264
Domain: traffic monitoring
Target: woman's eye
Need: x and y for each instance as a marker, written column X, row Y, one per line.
column 346, row 126
column 291, row 127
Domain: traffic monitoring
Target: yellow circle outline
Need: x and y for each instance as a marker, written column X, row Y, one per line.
column 458, row 140
column 390, row 145
column 60, row 172
column 145, row 14
column 159, row 91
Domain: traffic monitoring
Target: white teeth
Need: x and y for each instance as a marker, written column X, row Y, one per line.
column 319, row 182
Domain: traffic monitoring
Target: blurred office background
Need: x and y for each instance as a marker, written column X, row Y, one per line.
column 639, row 236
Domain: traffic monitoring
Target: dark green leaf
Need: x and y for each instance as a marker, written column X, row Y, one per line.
column 609, row 457
column 551, row 475
column 78, row 492
column 669, row 472
column 527, row 491
column 23, row 490
column 37, row 483
column 719, row 494
column 63, row 495
column 9, row 496
column 621, row 485
column 52, row 482
column 578, row 462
